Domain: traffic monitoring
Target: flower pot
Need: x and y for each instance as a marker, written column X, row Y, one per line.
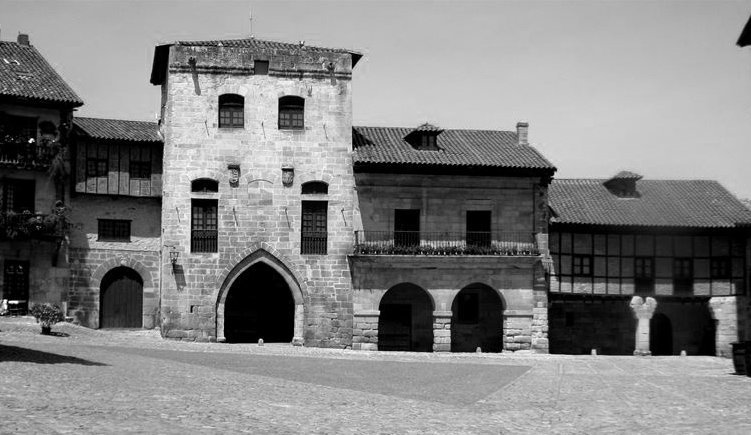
column 46, row 330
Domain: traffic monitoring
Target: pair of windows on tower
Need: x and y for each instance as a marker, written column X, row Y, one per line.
column 232, row 112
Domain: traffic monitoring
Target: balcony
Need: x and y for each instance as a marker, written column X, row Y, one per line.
column 445, row 243
column 27, row 154
column 26, row 225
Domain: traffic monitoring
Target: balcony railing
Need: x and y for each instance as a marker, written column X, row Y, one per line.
column 314, row 242
column 27, row 154
column 20, row 226
column 203, row 241
column 444, row 243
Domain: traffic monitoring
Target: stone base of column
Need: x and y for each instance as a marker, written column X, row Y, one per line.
column 442, row 331
column 642, row 353
column 365, row 330
column 643, row 311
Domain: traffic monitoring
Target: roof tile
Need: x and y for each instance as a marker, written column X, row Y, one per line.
column 24, row 73
column 660, row 203
column 118, row 129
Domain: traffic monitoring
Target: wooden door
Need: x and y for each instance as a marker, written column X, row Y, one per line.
column 121, row 300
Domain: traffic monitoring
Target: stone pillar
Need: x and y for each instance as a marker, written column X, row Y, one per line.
column 442, row 331
column 539, row 329
column 297, row 336
column 365, row 330
column 724, row 310
column 643, row 311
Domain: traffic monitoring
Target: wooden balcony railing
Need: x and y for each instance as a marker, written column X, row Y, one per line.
column 445, row 243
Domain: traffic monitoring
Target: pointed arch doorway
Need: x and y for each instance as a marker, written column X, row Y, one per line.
column 260, row 299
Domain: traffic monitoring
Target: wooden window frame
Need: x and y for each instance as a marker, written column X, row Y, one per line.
column 204, row 226
column 113, row 230
column 231, row 111
column 140, row 170
column 291, row 113
column 720, row 268
column 97, row 167
column 314, row 228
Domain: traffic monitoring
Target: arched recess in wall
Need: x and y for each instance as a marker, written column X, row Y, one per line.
column 477, row 319
column 315, row 188
column 204, row 185
column 406, row 319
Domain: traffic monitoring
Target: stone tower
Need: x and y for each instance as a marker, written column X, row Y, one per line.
column 258, row 191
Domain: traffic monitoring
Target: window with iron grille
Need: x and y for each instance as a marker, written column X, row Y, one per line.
column 114, row 230
column 96, row 167
column 582, row 265
column 16, row 280
column 204, row 185
column 683, row 275
column 291, row 113
column 719, row 268
column 231, row 111
column 140, row 169
column 314, row 237
column 644, row 281
column 17, row 195
column 203, row 225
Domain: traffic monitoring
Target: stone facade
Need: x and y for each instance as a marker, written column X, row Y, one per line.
column 259, row 215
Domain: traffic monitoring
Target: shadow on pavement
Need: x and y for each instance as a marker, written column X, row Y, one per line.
column 20, row 354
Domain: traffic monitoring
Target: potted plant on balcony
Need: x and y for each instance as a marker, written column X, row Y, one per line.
column 47, row 315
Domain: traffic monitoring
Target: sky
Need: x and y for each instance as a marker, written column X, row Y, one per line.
column 655, row 87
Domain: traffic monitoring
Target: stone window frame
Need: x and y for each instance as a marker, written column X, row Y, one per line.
column 291, row 110
column 232, row 110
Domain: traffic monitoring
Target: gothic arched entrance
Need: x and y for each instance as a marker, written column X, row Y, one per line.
column 121, row 299
column 259, row 305
column 406, row 319
column 260, row 298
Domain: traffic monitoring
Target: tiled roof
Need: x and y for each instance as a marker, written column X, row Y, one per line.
column 626, row 175
column 428, row 127
column 663, row 203
column 118, row 129
column 457, row 148
column 24, row 73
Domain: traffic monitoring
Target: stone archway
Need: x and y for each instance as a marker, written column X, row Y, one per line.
column 477, row 320
column 121, row 299
column 406, row 319
column 260, row 280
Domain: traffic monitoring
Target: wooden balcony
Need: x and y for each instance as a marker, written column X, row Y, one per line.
column 488, row 243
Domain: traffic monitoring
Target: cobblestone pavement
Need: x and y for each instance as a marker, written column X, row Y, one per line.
column 90, row 381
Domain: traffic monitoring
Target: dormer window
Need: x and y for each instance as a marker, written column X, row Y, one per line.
column 623, row 184
column 424, row 137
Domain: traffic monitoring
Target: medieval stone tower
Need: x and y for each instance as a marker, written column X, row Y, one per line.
column 258, row 191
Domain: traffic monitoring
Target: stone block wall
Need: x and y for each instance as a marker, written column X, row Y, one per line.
column 259, row 212
column 48, row 270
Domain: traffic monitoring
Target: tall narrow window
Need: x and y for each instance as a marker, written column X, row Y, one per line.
column 407, row 227
column 16, row 280
column 683, row 276
column 478, row 228
column 644, row 281
column 140, row 169
column 203, row 225
column 231, row 109
column 291, row 113
column 314, row 238
column 17, row 196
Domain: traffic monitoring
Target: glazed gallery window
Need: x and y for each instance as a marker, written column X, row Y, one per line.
column 582, row 265
column 16, row 196
column 644, row 281
column 140, row 170
column 719, row 268
column 231, row 111
column 203, row 225
column 96, row 167
column 114, row 230
column 683, row 275
column 291, row 113
column 314, row 237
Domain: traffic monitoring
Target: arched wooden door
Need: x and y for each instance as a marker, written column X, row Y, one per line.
column 121, row 299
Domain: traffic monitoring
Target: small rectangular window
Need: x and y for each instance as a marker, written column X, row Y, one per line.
column 204, row 226
column 15, row 280
column 719, row 268
column 314, row 237
column 114, row 230
column 261, row 67
column 96, row 167
column 582, row 265
column 140, row 170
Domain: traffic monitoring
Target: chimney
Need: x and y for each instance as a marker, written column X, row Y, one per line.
column 522, row 132
column 23, row 39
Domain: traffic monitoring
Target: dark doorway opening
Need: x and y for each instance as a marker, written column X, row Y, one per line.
column 259, row 305
column 477, row 320
column 660, row 335
column 406, row 320
column 121, row 299
column 407, row 227
column 478, row 228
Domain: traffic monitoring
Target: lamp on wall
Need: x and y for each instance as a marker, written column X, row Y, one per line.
column 174, row 255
